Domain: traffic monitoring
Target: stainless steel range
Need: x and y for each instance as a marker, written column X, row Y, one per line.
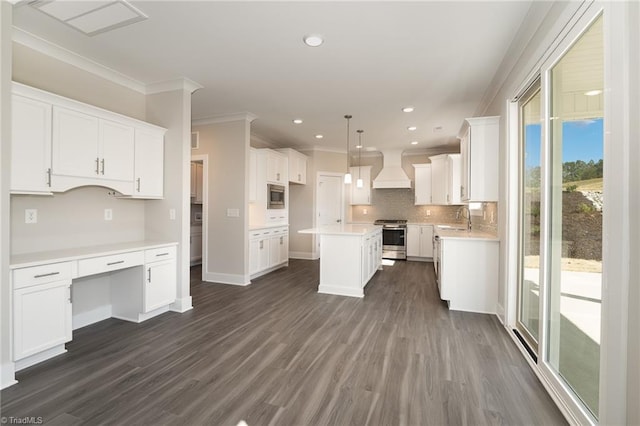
column 394, row 238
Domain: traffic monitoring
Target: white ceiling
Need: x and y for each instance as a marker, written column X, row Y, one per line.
column 378, row 57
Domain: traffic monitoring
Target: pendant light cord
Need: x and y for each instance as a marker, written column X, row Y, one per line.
column 348, row 117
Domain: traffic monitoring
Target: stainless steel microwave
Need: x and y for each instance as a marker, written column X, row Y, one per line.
column 275, row 196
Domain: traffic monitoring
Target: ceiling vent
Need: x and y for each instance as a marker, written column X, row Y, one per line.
column 91, row 17
column 392, row 174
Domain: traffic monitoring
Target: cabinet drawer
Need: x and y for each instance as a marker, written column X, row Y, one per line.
column 98, row 265
column 26, row 277
column 163, row 253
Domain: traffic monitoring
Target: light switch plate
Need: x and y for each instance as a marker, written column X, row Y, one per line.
column 30, row 216
column 172, row 214
column 233, row 212
column 428, row 212
column 108, row 214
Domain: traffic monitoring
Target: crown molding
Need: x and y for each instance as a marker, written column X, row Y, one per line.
column 322, row 149
column 50, row 49
column 183, row 83
column 247, row 116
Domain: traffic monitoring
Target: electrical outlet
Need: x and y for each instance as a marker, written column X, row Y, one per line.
column 172, row 214
column 484, row 215
column 428, row 212
column 108, row 214
column 30, row 216
column 365, row 211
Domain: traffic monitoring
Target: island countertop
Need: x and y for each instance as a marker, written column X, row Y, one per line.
column 342, row 229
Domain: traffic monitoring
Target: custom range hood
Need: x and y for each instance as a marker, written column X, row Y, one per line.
column 392, row 175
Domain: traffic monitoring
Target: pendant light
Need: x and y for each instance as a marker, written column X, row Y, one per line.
column 359, row 182
column 347, row 176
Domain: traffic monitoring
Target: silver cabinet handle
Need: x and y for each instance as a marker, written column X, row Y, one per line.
column 115, row 263
column 138, row 185
column 102, row 161
column 461, row 191
column 97, row 165
column 278, row 176
column 149, row 278
column 49, row 177
column 261, row 244
column 46, row 275
column 70, row 295
column 281, row 240
column 162, row 254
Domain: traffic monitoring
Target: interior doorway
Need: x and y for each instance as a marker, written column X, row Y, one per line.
column 199, row 207
column 329, row 203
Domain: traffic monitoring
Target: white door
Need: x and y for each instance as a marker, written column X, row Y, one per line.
column 330, row 201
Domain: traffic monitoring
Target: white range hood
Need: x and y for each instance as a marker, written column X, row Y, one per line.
column 392, row 174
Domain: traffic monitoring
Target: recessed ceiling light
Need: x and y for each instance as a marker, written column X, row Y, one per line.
column 319, row 136
column 414, row 143
column 358, row 146
column 593, row 92
column 313, row 40
column 407, row 109
column 411, row 128
column 297, row 121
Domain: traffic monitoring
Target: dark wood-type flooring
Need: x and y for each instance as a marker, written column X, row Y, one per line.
column 277, row 352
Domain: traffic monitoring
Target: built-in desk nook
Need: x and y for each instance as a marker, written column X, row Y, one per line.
column 57, row 292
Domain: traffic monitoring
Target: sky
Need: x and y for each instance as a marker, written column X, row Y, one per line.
column 582, row 140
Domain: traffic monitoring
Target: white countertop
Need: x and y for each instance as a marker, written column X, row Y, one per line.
column 54, row 256
column 343, row 229
column 256, row 227
column 465, row 235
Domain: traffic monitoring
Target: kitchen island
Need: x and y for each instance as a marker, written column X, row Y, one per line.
column 350, row 254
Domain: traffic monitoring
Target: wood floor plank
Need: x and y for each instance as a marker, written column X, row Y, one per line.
column 279, row 353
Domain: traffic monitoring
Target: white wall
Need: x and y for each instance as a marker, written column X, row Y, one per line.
column 227, row 145
column 6, row 367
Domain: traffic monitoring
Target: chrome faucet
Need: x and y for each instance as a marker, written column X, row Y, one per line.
column 462, row 209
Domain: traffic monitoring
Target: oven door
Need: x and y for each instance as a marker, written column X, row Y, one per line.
column 394, row 243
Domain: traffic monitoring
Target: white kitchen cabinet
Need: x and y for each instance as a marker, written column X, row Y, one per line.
column 195, row 246
column 149, row 164
column 420, row 241
column 371, row 256
column 277, row 168
column 360, row 196
column 445, row 179
column 42, row 315
column 268, row 250
column 116, row 150
column 479, row 159
column 160, row 285
column 468, row 274
column 297, row 165
column 197, row 182
column 422, row 184
column 30, row 146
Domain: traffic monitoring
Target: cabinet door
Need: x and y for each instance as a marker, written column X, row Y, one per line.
column 254, row 256
column 299, row 173
column 283, row 243
column 426, row 241
column 149, row 164
column 277, row 166
column 196, row 247
column 422, row 184
column 160, row 285
column 263, row 254
column 193, row 179
column 453, row 179
column 274, row 251
column 42, row 318
column 438, row 181
column 116, row 150
column 75, row 144
column 465, row 152
column 413, row 240
column 30, row 145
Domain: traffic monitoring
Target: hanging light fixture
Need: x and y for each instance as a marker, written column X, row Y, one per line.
column 347, row 176
column 359, row 182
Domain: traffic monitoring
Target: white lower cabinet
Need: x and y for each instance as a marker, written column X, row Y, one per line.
column 268, row 250
column 371, row 256
column 160, row 285
column 420, row 241
column 195, row 247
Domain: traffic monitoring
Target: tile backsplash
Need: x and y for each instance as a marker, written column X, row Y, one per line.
column 399, row 204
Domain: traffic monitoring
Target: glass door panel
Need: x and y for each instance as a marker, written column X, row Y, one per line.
column 530, row 165
column 575, row 215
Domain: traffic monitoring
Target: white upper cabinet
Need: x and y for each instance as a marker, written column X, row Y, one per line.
column 422, row 184
column 149, row 164
column 59, row 144
column 445, row 179
column 30, row 146
column 479, row 151
column 277, row 167
column 297, row 165
column 361, row 196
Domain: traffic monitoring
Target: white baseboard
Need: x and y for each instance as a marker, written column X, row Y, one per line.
column 83, row 319
column 7, row 375
column 304, row 255
column 40, row 356
column 182, row 305
column 419, row 259
column 233, row 279
column 140, row 317
column 340, row 291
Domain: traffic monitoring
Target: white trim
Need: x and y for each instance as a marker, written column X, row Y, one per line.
column 7, row 375
column 23, row 363
column 247, row 116
column 322, row 149
column 303, row 255
column 93, row 316
column 183, row 83
column 340, row 291
column 58, row 52
column 219, row 278
column 182, row 305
